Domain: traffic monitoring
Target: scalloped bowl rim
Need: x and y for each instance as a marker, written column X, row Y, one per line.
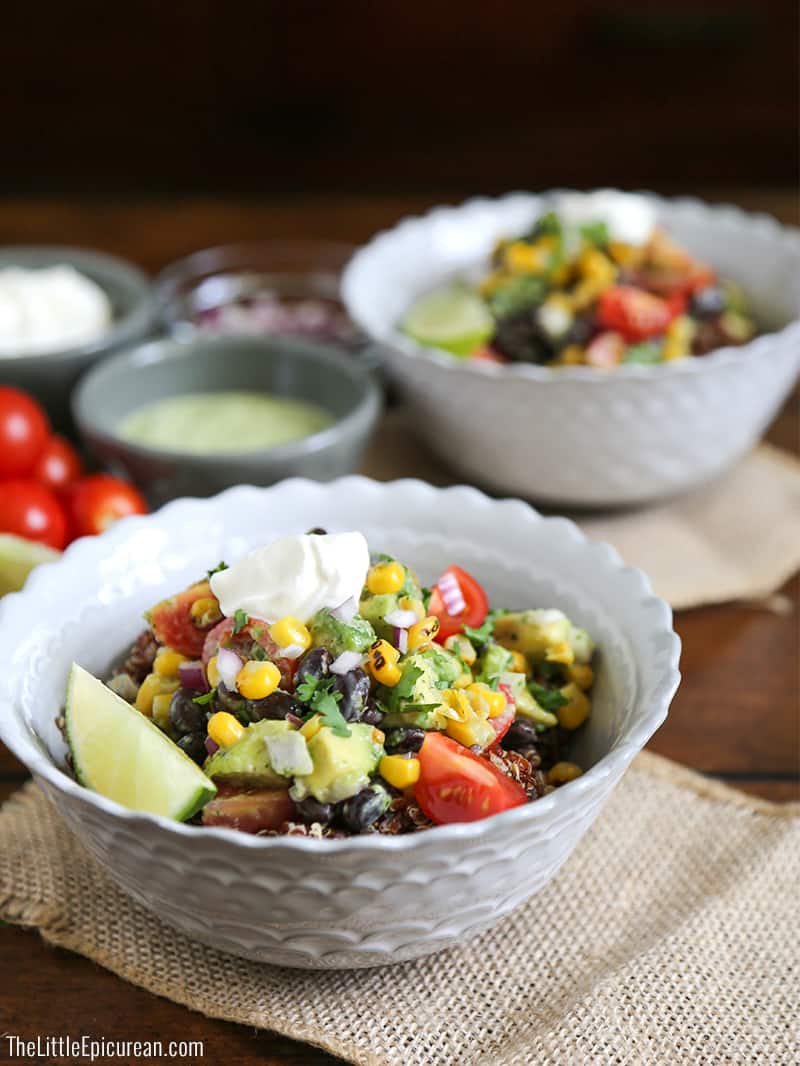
column 719, row 357
column 86, row 547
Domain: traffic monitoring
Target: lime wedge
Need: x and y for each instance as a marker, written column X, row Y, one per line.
column 454, row 318
column 119, row 753
column 17, row 558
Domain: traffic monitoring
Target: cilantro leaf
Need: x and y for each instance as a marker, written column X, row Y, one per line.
column 222, row 565
column 206, row 698
column 595, row 233
column 240, row 619
column 420, row 707
column 404, row 689
column 517, row 294
column 549, row 699
column 306, row 689
column 484, row 633
column 322, row 699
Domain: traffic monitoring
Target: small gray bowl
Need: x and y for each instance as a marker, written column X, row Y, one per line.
column 300, row 369
column 51, row 376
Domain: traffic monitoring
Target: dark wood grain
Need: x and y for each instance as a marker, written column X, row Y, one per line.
column 735, row 716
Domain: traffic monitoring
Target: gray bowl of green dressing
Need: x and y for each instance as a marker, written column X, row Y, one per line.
column 190, row 419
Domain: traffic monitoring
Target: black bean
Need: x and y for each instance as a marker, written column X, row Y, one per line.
column 276, row 706
column 194, row 744
column 185, row 715
column 400, row 741
column 371, row 715
column 708, row 302
column 230, row 700
column 354, row 687
column 317, row 531
column 360, row 811
column 520, row 734
column 314, row 665
column 311, row 810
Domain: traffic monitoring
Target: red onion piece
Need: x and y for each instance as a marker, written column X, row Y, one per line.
column 346, row 662
column 401, row 619
column 292, row 719
column 193, row 676
column 401, row 639
column 451, row 594
column 229, row 664
column 346, row 611
column 211, row 746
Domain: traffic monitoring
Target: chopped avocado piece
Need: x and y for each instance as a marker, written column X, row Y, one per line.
column 247, row 762
column 415, row 699
column 329, row 632
column 375, row 606
column 533, row 633
column 495, row 661
column 341, row 765
column 526, row 705
column 288, row 753
column 581, row 643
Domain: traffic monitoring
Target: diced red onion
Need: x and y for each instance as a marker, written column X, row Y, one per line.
column 211, row 746
column 292, row 651
column 451, row 594
column 399, row 618
column 193, row 676
column 401, row 639
column 228, row 664
column 346, row 611
column 346, row 662
column 292, row 719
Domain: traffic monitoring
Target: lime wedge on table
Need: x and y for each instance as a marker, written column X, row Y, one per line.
column 17, row 558
column 119, row 753
column 454, row 318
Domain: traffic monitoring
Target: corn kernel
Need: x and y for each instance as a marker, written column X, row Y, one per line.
column 411, row 603
column 378, row 735
column 160, row 714
column 486, row 703
column 310, row 728
column 585, row 293
column 563, row 772
column 581, row 675
column 522, row 258
column 572, row 355
column 167, row 661
column 577, row 710
column 462, row 647
column 626, row 255
column 474, row 731
column 212, row 671
column 205, row 611
column 257, row 680
column 560, row 653
column 422, row 632
column 224, row 729
column 290, row 630
column 152, row 686
column 399, row 771
column 594, row 266
column 382, row 663
column 386, row 577
column 519, row 664
column 678, row 338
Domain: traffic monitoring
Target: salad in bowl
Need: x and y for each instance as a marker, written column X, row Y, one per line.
column 312, row 689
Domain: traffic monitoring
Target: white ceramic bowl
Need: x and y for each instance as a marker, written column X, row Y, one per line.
column 362, row 901
column 576, row 435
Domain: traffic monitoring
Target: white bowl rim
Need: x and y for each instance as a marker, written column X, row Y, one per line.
column 613, row 762
column 718, row 358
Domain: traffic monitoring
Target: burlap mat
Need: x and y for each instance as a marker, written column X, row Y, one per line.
column 670, row 937
column 737, row 538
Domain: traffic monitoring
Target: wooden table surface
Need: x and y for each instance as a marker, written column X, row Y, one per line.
column 735, row 715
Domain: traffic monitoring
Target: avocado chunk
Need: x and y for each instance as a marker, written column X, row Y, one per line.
column 329, row 632
column 341, row 765
column 526, row 705
column 534, row 633
column 375, row 606
column 247, row 763
column 495, row 661
column 415, row 700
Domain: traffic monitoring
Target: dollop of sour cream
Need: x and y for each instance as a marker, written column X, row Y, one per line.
column 296, row 575
column 629, row 218
column 49, row 309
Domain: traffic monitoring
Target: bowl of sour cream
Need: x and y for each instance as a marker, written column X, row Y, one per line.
column 62, row 309
column 192, row 418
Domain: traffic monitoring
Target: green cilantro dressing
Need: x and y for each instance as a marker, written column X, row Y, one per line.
column 205, row 423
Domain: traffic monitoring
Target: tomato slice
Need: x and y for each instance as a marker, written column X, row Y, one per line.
column 456, row 785
column 173, row 624
column 476, row 604
column 606, row 350
column 502, row 723
column 249, row 811
column 634, row 313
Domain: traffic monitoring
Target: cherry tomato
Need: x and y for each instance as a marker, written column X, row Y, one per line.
column 488, row 355
column 174, row 625
column 23, row 432
column 456, row 785
column 473, row 614
column 58, row 464
column 634, row 313
column 95, row 502
column 30, row 510
column 502, row 723
column 249, row 812
column 606, row 350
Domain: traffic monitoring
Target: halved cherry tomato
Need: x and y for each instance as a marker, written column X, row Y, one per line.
column 173, row 624
column 456, row 785
column 96, row 502
column 488, row 355
column 254, row 632
column 502, row 723
column 58, row 464
column 23, row 432
column 473, row 614
column 634, row 313
column 605, row 351
column 249, row 812
column 30, row 510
